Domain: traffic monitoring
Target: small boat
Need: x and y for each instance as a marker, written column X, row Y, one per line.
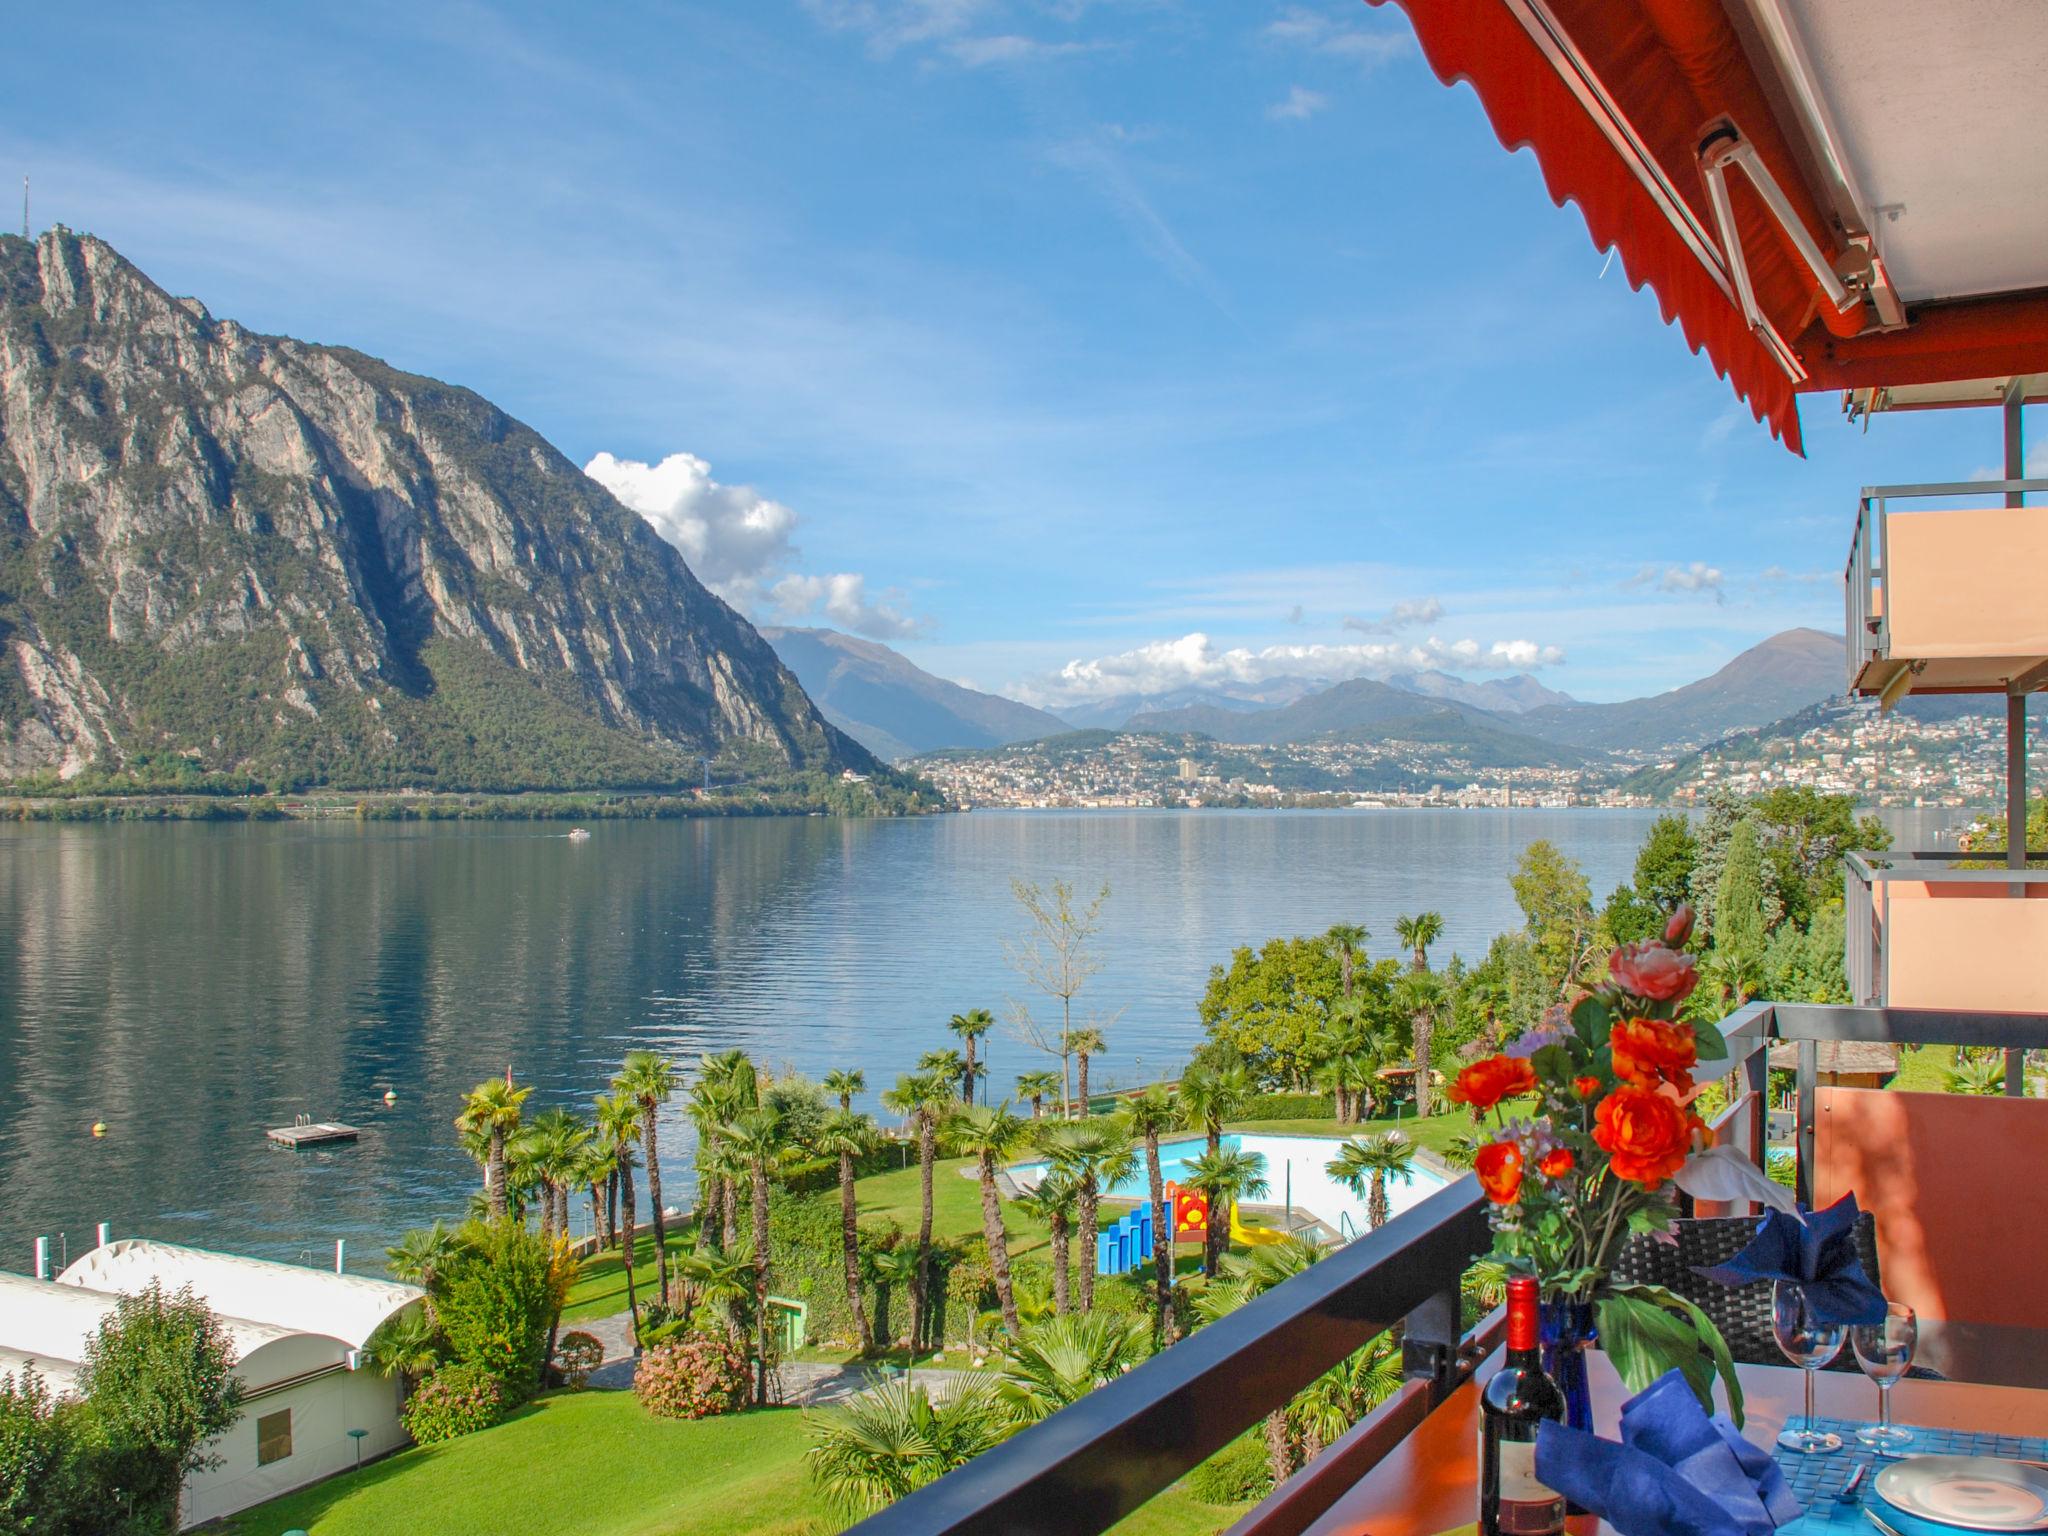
column 578, row 835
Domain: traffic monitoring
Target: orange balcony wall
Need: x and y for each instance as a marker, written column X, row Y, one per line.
column 1956, row 595
column 1974, row 941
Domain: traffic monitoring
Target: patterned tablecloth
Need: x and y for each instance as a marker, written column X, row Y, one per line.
column 1819, row 1480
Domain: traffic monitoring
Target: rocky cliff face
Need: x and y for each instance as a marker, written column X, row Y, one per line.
column 237, row 553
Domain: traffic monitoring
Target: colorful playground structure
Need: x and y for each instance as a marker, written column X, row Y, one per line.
column 1128, row 1241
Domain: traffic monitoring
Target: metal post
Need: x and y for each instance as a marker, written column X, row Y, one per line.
column 1429, row 1343
column 106, row 1233
column 42, row 1258
column 2015, row 723
column 340, row 1253
column 1809, row 1082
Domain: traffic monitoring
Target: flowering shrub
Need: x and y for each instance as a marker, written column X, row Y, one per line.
column 576, row 1356
column 454, row 1400
column 693, row 1377
column 1612, row 1128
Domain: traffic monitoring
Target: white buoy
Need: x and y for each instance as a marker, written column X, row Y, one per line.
column 390, row 1096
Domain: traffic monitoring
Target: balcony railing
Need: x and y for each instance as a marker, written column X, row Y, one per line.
column 1932, row 930
column 1947, row 600
column 1088, row 1466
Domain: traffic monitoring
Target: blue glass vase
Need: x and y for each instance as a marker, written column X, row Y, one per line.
column 1567, row 1328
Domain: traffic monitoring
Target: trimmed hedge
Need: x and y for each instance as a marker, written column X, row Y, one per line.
column 1291, row 1106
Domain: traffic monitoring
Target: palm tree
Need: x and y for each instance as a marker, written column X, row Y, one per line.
column 1035, row 1086
column 893, row 1440
column 1051, row 1200
column 1096, row 1153
column 1343, row 1076
column 756, row 1137
column 1225, row 1178
column 618, row 1123
column 846, row 1084
column 406, row 1345
column 1349, row 939
column 1416, row 934
column 422, row 1256
column 990, row 1136
column 970, row 1027
column 1084, row 1043
column 721, row 1280
column 1209, row 1096
column 896, row 1271
column 846, row 1136
column 1366, row 1165
column 1060, row 1361
column 652, row 1080
column 555, row 1143
column 492, row 1112
column 945, row 1063
column 726, row 1084
column 594, row 1172
column 1419, row 994
column 1150, row 1115
column 1243, row 1278
column 923, row 1097
column 1344, row 1394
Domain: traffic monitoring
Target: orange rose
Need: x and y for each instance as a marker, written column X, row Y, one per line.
column 1485, row 1083
column 1649, row 1051
column 1499, row 1166
column 1585, row 1087
column 1556, row 1163
column 1646, row 1135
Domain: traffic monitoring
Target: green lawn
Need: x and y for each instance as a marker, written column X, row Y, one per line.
column 1925, row 1070
column 596, row 1464
column 600, row 1288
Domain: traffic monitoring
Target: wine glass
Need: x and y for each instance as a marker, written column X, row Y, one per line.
column 1809, row 1344
column 1885, row 1350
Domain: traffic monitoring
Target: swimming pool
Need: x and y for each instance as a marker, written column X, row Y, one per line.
column 1294, row 1172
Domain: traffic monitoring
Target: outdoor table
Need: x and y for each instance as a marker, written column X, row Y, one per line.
column 1429, row 1483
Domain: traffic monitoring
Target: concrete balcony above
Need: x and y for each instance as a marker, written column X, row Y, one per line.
column 1929, row 931
column 1949, row 599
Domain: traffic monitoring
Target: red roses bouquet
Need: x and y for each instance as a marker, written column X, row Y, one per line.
column 1589, row 1128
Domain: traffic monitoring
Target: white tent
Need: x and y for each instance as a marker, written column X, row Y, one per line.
column 295, row 1332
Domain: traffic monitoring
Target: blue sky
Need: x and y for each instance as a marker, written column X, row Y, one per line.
column 1070, row 345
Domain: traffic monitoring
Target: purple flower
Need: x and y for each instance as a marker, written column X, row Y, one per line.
column 1532, row 1042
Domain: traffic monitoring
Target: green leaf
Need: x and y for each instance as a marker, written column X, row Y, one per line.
column 1707, row 1350
column 1644, row 1341
column 1708, row 1042
column 1592, row 1021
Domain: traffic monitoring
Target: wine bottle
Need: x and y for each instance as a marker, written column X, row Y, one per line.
column 1516, row 1399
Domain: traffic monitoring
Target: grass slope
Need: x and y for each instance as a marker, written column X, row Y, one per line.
column 595, row 1464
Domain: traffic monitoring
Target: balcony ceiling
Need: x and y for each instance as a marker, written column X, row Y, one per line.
column 1907, row 144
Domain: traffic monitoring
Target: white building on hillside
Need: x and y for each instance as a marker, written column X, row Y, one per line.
column 296, row 1334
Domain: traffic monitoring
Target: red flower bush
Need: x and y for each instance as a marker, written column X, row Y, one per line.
column 454, row 1400
column 693, row 1377
column 1485, row 1083
column 1649, row 1051
column 1556, row 1163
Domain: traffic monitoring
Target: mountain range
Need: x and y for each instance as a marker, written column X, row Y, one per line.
column 226, row 553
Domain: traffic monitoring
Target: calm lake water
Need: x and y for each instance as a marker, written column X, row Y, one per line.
column 191, row 985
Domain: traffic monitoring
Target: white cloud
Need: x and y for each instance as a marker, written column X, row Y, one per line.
column 1409, row 613
column 1194, row 659
column 893, row 25
column 1301, row 26
column 741, row 544
column 1007, row 48
column 1300, row 102
column 1697, row 577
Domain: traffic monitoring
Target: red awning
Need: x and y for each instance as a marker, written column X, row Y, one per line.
column 1620, row 100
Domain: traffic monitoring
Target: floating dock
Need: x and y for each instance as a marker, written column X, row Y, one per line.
column 311, row 1133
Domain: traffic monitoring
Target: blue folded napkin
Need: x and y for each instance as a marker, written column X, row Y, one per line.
column 1676, row 1472
column 1818, row 1251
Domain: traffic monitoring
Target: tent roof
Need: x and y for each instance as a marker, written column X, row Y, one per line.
column 1908, row 243
column 290, row 1297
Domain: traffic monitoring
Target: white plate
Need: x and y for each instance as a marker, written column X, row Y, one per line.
column 1978, row 1493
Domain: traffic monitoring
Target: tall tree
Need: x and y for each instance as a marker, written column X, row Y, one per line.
column 1246, row 1278
column 1086, row 1042
column 1210, row 1096
column 1035, row 1086
column 844, row 1084
column 1364, row 1166
column 846, row 1136
column 492, row 1112
column 990, row 1136
column 1149, row 1116
column 554, row 1145
column 1224, row 1178
column 1421, row 994
column 727, row 1084
column 1056, row 958
column 651, row 1079
column 1557, row 903
column 1051, row 1200
column 618, row 1123
column 1348, row 940
column 1096, row 1153
column 925, row 1099
column 970, row 1027
column 756, row 1138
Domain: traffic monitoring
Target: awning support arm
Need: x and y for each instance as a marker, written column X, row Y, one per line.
column 1725, row 147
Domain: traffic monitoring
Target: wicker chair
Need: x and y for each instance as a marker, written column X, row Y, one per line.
column 1741, row 1312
